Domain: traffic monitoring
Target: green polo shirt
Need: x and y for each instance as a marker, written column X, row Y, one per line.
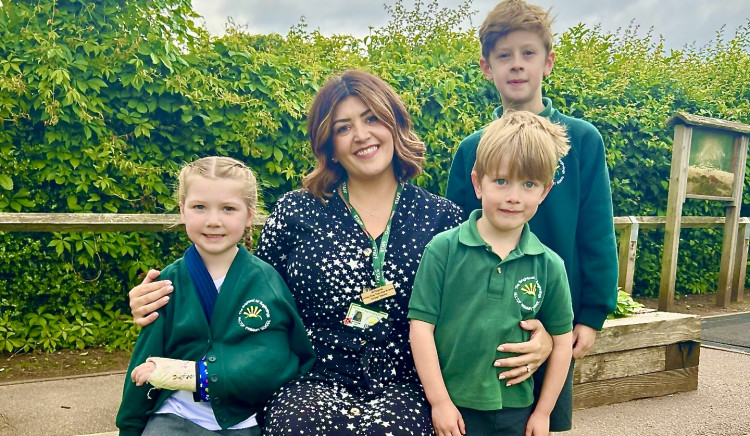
column 475, row 299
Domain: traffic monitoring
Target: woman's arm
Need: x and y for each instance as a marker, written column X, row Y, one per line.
column 148, row 297
column 532, row 353
column 557, row 371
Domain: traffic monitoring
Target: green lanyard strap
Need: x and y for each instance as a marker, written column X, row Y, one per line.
column 378, row 254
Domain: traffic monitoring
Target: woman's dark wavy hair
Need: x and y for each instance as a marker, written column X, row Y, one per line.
column 382, row 100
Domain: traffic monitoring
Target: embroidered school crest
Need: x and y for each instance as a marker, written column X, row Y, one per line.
column 528, row 294
column 559, row 173
column 254, row 316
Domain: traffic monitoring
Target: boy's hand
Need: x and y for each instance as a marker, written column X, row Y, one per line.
column 532, row 353
column 537, row 425
column 142, row 372
column 447, row 420
column 148, row 297
column 583, row 339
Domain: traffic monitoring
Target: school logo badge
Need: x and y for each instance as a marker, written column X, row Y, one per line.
column 254, row 316
column 559, row 173
column 528, row 293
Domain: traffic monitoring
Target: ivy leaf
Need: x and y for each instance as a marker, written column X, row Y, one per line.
column 6, row 182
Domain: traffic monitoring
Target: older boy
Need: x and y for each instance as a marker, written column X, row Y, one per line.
column 576, row 219
column 476, row 282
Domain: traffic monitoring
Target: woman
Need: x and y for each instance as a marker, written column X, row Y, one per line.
column 350, row 241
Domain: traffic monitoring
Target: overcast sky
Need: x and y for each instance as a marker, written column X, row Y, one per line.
column 679, row 21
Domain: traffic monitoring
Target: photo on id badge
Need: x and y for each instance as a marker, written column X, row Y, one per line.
column 361, row 317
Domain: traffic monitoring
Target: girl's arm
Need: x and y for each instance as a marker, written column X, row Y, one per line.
column 136, row 401
column 558, row 366
column 445, row 416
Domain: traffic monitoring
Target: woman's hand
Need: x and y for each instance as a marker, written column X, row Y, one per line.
column 532, row 353
column 146, row 298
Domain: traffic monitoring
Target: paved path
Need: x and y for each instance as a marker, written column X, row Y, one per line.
column 720, row 406
column 727, row 331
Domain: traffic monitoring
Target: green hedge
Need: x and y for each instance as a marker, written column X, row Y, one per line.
column 101, row 102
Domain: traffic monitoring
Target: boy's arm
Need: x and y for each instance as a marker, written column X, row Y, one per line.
column 445, row 416
column 460, row 189
column 597, row 246
column 558, row 366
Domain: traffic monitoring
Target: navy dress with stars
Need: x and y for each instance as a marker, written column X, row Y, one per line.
column 364, row 381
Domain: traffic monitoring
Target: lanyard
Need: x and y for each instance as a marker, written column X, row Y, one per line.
column 378, row 254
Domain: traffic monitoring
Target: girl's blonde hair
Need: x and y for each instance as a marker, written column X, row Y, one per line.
column 219, row 167
column 530, row 144
column 382, row 100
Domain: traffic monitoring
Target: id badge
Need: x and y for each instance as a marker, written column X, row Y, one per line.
column 361, row 317
column 377, row 294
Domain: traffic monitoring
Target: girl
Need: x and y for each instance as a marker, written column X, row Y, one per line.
column 222, row 353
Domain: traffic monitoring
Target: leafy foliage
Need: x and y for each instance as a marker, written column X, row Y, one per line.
column 626, row 306
column 101, row 102
column 78, row 326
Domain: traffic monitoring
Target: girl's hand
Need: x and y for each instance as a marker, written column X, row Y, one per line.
column 532, row 353
column 142, row 372
column 146, row 298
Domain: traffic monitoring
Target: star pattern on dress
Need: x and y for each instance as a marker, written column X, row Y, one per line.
column 319, row 250
column 353, row 264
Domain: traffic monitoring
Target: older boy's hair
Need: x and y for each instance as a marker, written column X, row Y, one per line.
column 511, row 15
column 532, row 146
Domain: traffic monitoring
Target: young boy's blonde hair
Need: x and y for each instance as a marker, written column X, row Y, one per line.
column 511, row 15
column 532, row 146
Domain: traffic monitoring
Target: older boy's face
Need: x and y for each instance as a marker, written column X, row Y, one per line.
column 517, row 65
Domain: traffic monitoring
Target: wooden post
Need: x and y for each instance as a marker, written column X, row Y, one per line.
column 740, row 260
column 729, row 246
column 628, row 247
column 675, row 199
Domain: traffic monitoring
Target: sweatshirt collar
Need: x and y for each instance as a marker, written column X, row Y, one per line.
column 546, row 112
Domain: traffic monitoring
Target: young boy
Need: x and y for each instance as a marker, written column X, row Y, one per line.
column 476, row 282
column 576, row 218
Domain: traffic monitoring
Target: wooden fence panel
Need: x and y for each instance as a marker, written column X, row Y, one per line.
column 628, row 226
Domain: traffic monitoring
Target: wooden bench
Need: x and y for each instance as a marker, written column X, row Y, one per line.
column 646, row 355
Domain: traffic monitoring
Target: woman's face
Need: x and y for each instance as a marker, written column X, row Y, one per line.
column 362, row 143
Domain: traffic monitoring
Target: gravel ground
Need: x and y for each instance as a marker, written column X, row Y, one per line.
column 720, row 406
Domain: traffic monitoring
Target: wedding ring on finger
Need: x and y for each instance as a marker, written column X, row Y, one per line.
column 528, row 369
